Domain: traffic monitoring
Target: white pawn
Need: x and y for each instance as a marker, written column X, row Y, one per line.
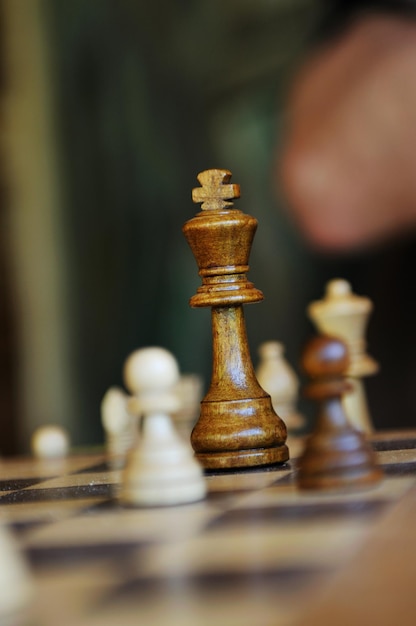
column 161, row 469
column 278, row 378
column 50, row 442
column 120, row 426
column 190, row 393
column 16, row 589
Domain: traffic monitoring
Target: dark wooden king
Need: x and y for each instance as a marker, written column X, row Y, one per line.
column 237, row 426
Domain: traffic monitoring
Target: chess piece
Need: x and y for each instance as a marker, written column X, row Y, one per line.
column 120, row 427
column 16, row 589
column 336, row 455
column 279, row 379
column 50, row 442
column 237, row 426
column 189, row 391
column 161, row 469
column 344, row 314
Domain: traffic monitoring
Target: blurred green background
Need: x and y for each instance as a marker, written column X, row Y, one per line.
column 112, row 107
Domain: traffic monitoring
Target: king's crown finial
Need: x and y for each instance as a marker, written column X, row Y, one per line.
column 215, row 191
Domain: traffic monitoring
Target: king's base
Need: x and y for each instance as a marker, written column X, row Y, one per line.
column 254, row 457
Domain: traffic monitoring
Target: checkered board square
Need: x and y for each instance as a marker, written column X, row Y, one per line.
column 256, row 551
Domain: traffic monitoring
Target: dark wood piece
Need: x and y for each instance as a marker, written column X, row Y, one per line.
column 237, row 426
column 336, row 455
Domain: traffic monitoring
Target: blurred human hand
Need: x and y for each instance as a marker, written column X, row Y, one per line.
column 348, row 166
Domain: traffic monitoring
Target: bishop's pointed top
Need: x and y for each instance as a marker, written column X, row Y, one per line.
column 215, row 191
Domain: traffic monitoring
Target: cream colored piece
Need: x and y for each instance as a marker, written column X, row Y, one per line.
column 189, row 390
column 120, row 426
column 15, row 582
column 279, row 379
column 161, row 469
column 50, row 442
column 345, row 315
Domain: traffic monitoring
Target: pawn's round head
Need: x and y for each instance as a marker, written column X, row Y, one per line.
column 114, row 415
column 338, row 288
column 150, row 369
column 325, row 357
column 50, row 442
column 271, row 350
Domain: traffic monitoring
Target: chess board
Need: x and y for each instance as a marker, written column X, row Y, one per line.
column 255, row 552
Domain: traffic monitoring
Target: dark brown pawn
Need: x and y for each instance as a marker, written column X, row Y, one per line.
column 335, row 455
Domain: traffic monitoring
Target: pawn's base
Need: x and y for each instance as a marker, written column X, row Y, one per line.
column 141, row 494
column 254, row 457
column 161, row 470
column 338, row 462
column 162, row 485
column 347, row 479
